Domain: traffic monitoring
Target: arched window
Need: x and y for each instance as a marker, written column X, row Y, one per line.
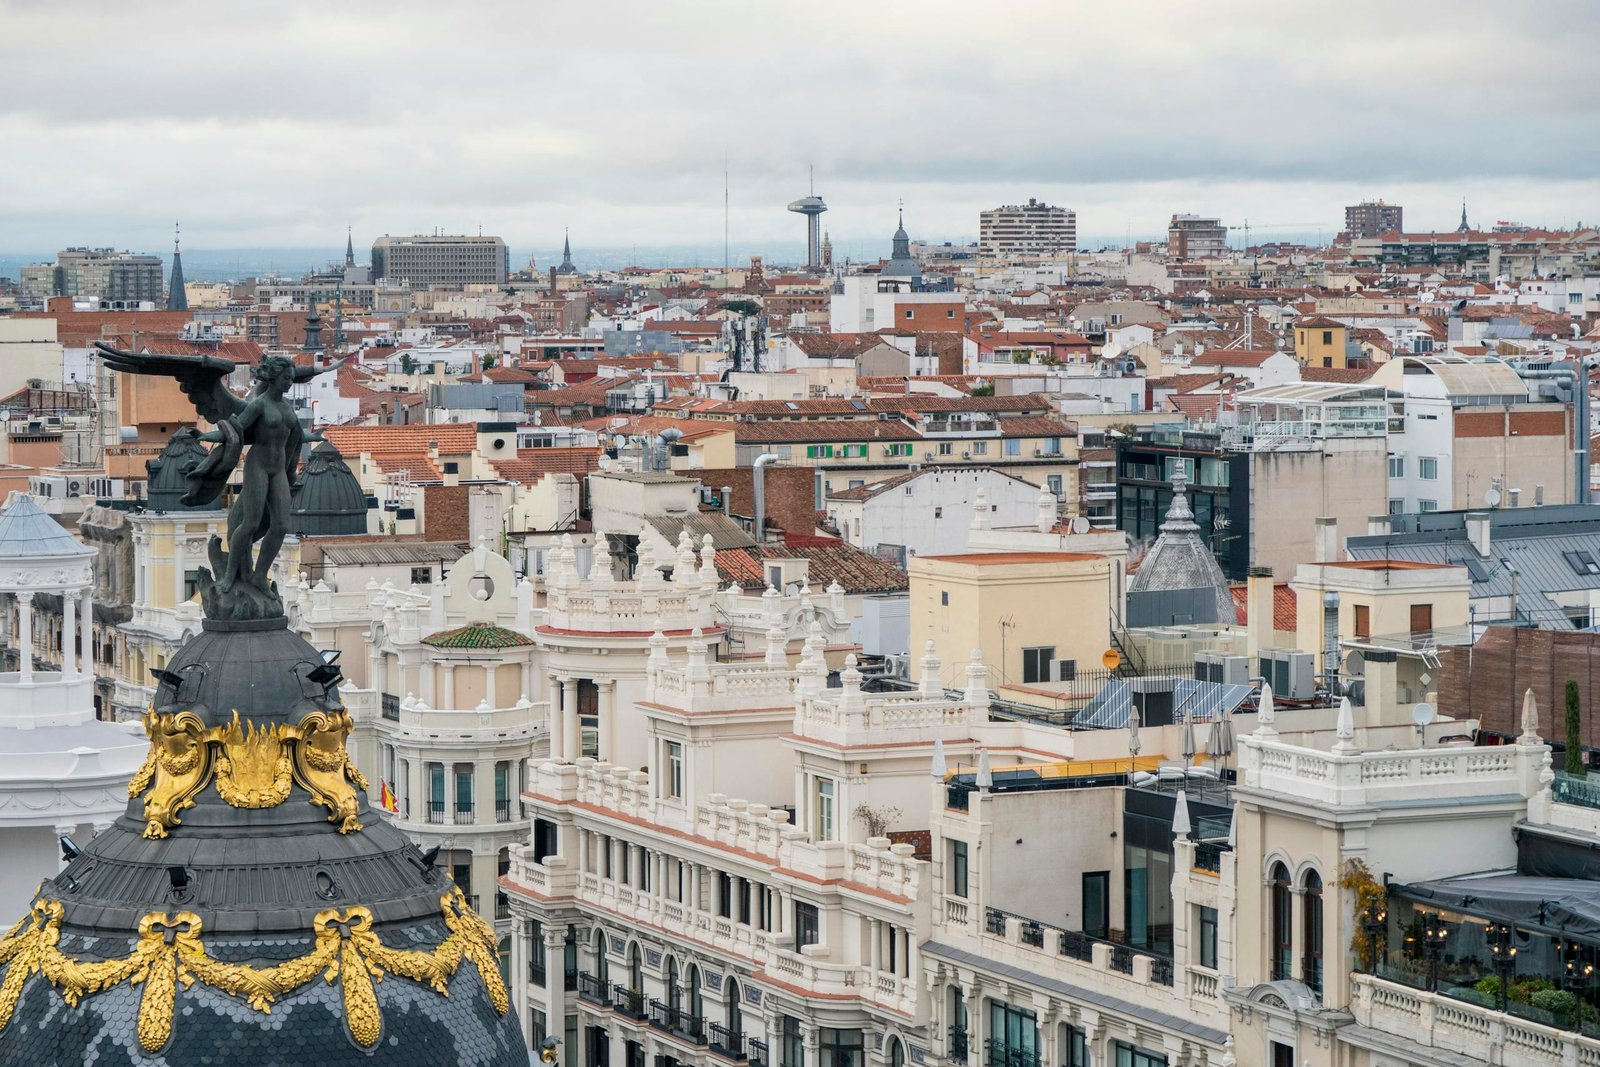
column 958, row 1026
column 635, row 969
column 602, row 965
column 734, row 1004
column 1282, row 918
column 674, row 990
column 1311, row 932
column 897, row 1052
column 696, row 1008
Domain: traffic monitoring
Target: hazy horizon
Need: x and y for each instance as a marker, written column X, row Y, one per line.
column 278, row 125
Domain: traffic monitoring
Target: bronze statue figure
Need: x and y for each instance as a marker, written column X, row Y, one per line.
column 266, row 423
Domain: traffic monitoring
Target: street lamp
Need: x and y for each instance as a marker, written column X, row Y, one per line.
column 1503, row 957
column 1375, row 924
column 1435, row 933
column 1577, row 972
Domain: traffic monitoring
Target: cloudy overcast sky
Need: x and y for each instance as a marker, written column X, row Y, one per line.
column 276, row 125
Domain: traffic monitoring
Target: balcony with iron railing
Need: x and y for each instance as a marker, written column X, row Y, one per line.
column 630, row 1002
column 756, row 1051
column 999, row 1054
column 677, row 1021
column 956, row 1045
column 726, row 1042
column 593, row 989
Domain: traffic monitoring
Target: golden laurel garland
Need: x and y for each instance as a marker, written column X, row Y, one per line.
column 170, row 953
column 252, row 766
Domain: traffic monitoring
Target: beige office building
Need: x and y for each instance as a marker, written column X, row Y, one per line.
column 427, row 260
column 1018, row 231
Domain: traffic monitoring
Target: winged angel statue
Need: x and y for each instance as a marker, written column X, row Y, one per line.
column 266, row 423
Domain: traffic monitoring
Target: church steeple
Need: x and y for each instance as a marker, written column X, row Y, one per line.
column 177, row 299
column 1463, row 228
column 566, row 255
column 900, row 264
column 349, row 247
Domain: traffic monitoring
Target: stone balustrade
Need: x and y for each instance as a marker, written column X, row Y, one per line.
column 1457, row 1026
column 1358, row 778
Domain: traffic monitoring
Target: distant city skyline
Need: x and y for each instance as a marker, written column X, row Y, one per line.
column 1240, row 110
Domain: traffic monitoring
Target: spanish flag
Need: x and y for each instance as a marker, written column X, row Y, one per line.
column 386, row 797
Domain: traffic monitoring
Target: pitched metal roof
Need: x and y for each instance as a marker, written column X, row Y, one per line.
column 26, row 532
column 375, row 553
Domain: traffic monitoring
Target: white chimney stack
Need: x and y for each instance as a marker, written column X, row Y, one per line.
column 1327, row 546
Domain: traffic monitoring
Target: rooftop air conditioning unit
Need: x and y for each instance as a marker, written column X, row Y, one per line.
column 966, row 455
column 1291, row 673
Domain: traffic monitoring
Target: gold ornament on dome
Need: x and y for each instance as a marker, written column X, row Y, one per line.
column 251, row 765
column 170, row 954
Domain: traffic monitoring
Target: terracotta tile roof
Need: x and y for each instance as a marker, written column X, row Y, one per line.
column 1232, row 357
column 1036, row 426
column 835, row 345
column 454, row 438
column 1202, row 406
column 244, row 352
column 1284, row 612
column 872, row 489
column 1336, row 375
column 417, row 466
column 824, row 430
column 531, row 464
column 831, row 561
column 478, row 635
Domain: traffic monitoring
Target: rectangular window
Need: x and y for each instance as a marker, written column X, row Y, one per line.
column 1036, row 663
column 435, row 792
column 1396, row 506
column 807, row 925
column 1132, row 1056
column 1052, row 482
column 823, row 799
column 1421, row 618
column 1206, row 950
column 792, row 1049
column 1096, row 903
column 1427, row 468
column 1075, row 1052
column 946, row 447
column 980, row 448
column 502, row 791
column 191, row 584
column 1363, row 622
column 944, row 598
column 463, row 789
column 1427, row 505
column 421, row 575
column 672, row 762
column 958, row 868
column 840, row 1048
column 1397, row 466
column 1013, row 446
column 1013, row 1036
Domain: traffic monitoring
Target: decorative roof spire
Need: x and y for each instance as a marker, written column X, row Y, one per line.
column 1180, row 517
column 177, row 299
column 349, row 246
column 1463, row 228
column 566, row 254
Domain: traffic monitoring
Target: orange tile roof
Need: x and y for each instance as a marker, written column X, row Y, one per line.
column 1284, row 605
column 1000, row 559
column 454, row 438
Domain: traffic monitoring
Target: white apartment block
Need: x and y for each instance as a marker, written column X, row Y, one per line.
column 1026, row 231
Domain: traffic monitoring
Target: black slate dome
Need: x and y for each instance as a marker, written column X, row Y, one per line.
column 168, row 474
column 249, row 907
column 328, row 500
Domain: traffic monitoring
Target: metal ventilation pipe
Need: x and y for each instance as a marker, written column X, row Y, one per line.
column 727, row 500
column 759, row 477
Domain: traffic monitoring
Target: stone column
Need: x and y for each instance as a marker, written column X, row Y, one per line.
column 553, row 689
column 489, row 671
column 69, row 636
column 555, row 986
column 416, row 809
column 86, row 628
column 25, row 636
column 519, row 968
column 608, row 696
column 571, row 725
column 875, row 945
column 448, row 697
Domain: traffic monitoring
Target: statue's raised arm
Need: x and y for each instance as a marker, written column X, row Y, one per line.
column 266, row 422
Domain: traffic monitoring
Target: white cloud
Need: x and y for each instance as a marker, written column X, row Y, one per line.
column 272, row 125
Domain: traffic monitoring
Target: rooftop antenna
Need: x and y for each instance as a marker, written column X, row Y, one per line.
column 726, row 262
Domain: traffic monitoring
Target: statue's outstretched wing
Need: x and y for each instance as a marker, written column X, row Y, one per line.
column 305, row 374
column 201, row 378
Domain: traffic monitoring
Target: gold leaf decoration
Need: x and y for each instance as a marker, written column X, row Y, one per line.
column 252, row 766
column 170, row 955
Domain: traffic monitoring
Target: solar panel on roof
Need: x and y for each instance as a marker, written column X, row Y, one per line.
column 1474, row 568
column 1204, row 701
column 1109, row 709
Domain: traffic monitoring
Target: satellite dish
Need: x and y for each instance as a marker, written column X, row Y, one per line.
column 1422, row 714
column 1492, row 498
column 1355, row 665
column 1080, row 525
